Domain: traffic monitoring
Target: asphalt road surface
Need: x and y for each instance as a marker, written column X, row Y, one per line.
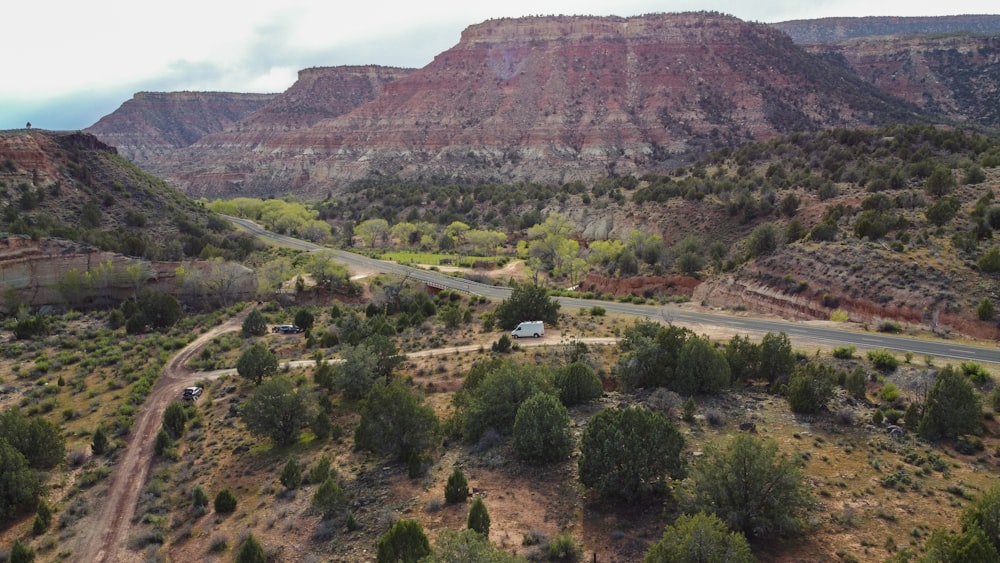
column 796, row 331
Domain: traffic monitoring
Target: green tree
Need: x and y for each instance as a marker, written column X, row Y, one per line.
column 395, row 422
column 319, row 472
column 43, row 518
column 21, row 553
column 630, row 452
column 199, row 498
column 700, row 368
column 372, row 231
column 158, row 309
column 456, row 489
column 329, row 498
column 304, row 319
column 291, row 474
column 355, row 375
column 526, row 303
column 254, row 324
column 952, row 408
column 701, row 538
column 321, row 426
column 251, row 551
column 985, row 310
column 751, row 487
column 31, row 326
column 494, row 401
column 277, row 410
column 256, row 363
column 100, row 443
column 984, row 513
column 941, row 182
column 776, row 357
column 541, row 430
column 764, row 239
column 225, row 501
column 989, row 262
column 455, row 546
column 577, row 383
column 970, row 545
column 743, row 357
column 163, row 444
column 405, row 541
column 811, row 387
column 650, row 354
column 40, row 441
column 174, row 419
column 479, row 517
column 856, row 383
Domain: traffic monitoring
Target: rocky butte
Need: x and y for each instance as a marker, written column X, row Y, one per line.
column 548, row 99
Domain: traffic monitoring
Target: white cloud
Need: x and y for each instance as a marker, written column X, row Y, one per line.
column 93, row 56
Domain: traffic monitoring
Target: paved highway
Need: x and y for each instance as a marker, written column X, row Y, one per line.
column 796, row 331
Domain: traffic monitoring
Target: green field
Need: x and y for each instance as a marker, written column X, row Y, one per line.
column 437, row 259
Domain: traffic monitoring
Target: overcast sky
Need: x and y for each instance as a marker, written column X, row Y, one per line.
column 67, row 63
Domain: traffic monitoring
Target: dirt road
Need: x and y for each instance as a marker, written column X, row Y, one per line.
column 104, row 537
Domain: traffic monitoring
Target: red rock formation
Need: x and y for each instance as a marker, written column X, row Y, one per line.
column 554, row 99
column 153, row 123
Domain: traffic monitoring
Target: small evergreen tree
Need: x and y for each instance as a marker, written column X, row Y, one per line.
column 985, row 310
column 320, row 471
column 578, row 383
column 174, row 419
column 952, row 408
column 701, row 537
column 21, row 553
column 256, row 363
column 405, row 541
column 526, row 303
column 457, row 487
column 225, row 501
column 99, row 445
column 984, row 513
column 43, row 518
column 810, row 388
column 856, row 383
column 254, row 324
column 291, row 475
column 163, row 443
column 777, row 360
column 479, row 517
column 251, row 551
column 199, row 498
column 304, row 319
column 329, row 498
column 321, row 426
column 541, row 430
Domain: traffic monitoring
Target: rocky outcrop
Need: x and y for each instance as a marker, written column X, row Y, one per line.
column 152, row 124
column 38, row 273
column 554, row 99
column 954, row 76
column 826, row 30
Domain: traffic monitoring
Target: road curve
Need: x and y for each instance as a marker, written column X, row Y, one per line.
column 796, row 331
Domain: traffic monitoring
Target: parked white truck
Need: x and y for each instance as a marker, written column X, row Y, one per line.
column 529, row 328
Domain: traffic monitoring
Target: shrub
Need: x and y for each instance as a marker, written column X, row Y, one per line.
column 395, row 422
column 43, row 518
column 751, row 488
column 479, row 517
column 329, row 498
column 630, row 452
column 952, row 407
column 291, row 475
column 776, row 357
column 251, row 551
column 199, row 498
column 541, row 430
column 701, row 537
column 700, row 368
column 889, row 392
column 225, row 501
column 883, row 359
column 21, row 553
column 975, row 372
column 578, row 383
column 457, row 487
column 320, row 471
column 810, row 388
column 844, row 352
column 564, row 548
column 99, row 445
column 163, row 443
column 174, row 419
column 985, row 311
column 254, row 324
column 989, row 262
column 405, row 541
column 503, row 345
column 984, row 513
column 891, row 327
column 526, row 303
column 497, row 395
column 277, row 410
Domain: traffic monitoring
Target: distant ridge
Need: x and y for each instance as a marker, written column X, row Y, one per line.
column 827, row 30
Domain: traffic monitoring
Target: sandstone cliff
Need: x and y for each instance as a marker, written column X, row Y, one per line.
column 825, row 30
column 153, row 123
column 554, row 99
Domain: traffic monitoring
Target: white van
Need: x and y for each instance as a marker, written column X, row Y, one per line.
column 529, row 328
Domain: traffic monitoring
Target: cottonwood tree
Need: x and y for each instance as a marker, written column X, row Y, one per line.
column 372, row 231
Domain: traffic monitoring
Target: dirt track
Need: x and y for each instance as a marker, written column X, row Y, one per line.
column 104, row 537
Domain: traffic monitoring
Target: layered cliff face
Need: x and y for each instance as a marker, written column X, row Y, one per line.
column 953, row 76
column 827, row 30
column 555, row 99
column 154, row 123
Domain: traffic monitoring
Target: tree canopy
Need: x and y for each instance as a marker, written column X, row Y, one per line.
column 278, row 410
column 256, row 363
column 528, row 302
column 395, row 422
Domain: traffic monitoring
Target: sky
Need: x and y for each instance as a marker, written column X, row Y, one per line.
column 67, row 63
